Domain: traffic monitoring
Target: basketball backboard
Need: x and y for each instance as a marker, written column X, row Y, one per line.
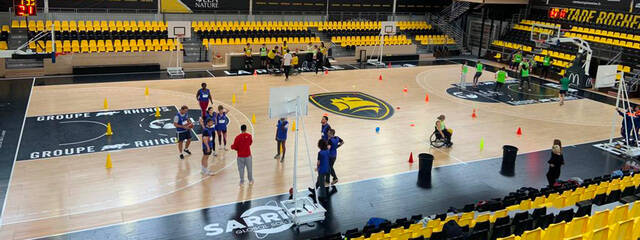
column 178, row 28
column 544, row 33
column 388, row 28
column 286, row 101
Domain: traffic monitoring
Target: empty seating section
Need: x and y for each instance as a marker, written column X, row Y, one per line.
column 559, row 59
column 350, row 41
column 435, row 39
column 254, row 32
column 530, row 216
column 4, row 37
column 100, row 36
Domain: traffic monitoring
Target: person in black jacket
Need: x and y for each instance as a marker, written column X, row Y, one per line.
column 555, row 162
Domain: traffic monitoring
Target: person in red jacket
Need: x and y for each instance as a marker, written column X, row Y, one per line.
column 242, row 144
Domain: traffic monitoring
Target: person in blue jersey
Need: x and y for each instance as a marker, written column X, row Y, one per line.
column 325, row 128
column 221, row 126
column 183, row 129
column 209, row 114
column 323, row 169
column 208, row 146
column 281, row 138
column 204, row 98
column 334, row 143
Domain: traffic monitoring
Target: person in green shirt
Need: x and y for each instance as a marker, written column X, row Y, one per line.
column 564, row 87
column 524, row 74
column 517, row 59
column 263, row 55
column 479, row 68
column 463, row 74
column 546, row 66
column 501, row 77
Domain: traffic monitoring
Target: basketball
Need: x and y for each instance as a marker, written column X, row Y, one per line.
column 189, row 125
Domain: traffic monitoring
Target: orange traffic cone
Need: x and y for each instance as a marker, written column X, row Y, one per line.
column 426, row 97
column 411, row 158
column 519, row 132
column 326, row 72
column 380, row 77
column 255, row 73
column 473, row 115
column 405, row 89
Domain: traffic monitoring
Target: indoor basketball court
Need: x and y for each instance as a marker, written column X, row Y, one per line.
column 89, row 138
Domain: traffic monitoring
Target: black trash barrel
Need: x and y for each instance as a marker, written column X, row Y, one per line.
column 424, row 169
column 509, row 154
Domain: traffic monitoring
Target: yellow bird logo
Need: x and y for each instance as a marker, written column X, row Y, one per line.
column 355, row 104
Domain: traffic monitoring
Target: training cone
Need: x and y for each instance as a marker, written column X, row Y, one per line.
column 411, row 158
column 405, row 89
column 233, row 99
column 253, row 118
column 380, row 77
column 293, row 126
column 426, row 98
column 157, row 112
column 326, row 72
column 473, row 115
column 255, row 73
column 244, row 87
column 377, row 129
column 389, row 64
column 109, row 131
column 481, row 144
column 519, row 132
column 108, row 165
column 106, row 104
column 146, row 91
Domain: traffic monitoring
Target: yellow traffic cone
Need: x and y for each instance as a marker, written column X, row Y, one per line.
column 253, row 118
column 106, row 105
column 157, row 112
column 109, row 132
column 293, row 125
column 108, row 165
column 233, row 99
column 146, row 91
column 244, row 87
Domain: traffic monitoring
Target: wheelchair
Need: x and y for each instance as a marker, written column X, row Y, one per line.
column 436, row 140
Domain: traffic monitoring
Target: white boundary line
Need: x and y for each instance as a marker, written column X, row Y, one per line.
column 211, row 74
column 83, row 141
column 15, row 157
column 231, row 163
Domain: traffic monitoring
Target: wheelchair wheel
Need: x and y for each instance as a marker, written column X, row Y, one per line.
column 435, row 141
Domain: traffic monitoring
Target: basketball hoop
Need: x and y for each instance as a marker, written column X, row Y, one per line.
column 541, row 43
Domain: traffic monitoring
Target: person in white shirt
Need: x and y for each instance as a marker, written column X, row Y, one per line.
column 287, row 64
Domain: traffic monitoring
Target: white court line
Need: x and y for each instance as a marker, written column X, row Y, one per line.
column 278, row 194
column 84, row 141
column 15, row 157
column 211, row 74
column 315, row 84
column 169, row 92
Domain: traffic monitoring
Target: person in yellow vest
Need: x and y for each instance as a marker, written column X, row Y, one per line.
column 294, row 62
column 285, row 48
column 248, row 59
column 263, row 55
column 272, row 57
column 324, row 50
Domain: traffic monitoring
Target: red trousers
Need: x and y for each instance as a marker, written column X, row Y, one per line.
column 203, row 107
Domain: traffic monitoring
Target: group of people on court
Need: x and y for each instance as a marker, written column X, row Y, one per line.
column 328, row 145
column 283, row 59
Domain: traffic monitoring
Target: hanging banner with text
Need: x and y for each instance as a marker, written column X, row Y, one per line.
column 616, row 19
column 106, row 4
column 611, row 5
column 191, row 6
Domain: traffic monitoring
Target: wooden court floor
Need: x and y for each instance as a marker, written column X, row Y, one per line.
column 58, row 195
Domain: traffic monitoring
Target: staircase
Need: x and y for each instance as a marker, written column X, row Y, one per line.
column 16, row 39
column 193, row 51
column 444, row 21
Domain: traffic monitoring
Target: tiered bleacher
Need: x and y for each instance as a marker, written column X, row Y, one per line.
column 100, row 36
column 258, row 32
column 600, row 208
column 603, row 37
column 4, row 37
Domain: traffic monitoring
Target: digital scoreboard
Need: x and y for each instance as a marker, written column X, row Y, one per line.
column 25, row 8
column 557, row 13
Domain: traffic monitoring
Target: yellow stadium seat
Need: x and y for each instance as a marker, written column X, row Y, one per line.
column 535, row 234
column 512, row 237
column 577, row 226
column 620, row 213
column 599, row 220
column 554, row 231
column 3, row 45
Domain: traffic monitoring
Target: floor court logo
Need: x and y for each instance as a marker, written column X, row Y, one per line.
column 261, row 220
column 353, row 104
